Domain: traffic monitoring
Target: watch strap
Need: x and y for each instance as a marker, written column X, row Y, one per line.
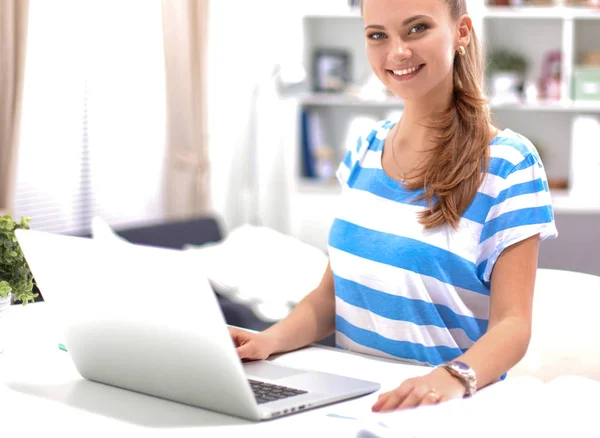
column 465, row 374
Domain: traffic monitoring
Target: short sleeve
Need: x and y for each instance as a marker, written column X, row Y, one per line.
column 343, row 170
column 522, row 208
column 356, row 152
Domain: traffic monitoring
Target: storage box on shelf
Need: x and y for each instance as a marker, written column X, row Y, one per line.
column 586, row 83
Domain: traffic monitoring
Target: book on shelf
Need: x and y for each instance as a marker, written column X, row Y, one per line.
column 318, row 156
column 308, row 170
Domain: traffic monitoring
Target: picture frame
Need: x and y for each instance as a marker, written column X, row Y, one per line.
column 331, row 70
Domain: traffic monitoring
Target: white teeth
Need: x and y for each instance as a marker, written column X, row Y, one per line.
column 406, row 71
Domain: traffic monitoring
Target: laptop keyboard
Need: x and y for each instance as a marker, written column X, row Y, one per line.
column 267, row 392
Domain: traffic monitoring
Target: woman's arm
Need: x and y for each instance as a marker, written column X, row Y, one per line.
column 511, row 298
column 310, row 321
column 504, row 343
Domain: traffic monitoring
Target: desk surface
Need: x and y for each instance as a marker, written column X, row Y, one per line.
column 42, row 391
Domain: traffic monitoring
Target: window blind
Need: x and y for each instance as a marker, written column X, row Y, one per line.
column 93, row 121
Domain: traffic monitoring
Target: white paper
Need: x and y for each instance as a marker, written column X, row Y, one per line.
column 519, row 406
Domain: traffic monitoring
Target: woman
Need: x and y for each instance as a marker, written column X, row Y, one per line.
column 433, row 252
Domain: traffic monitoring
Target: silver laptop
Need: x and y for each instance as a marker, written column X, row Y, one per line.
column 146, row 319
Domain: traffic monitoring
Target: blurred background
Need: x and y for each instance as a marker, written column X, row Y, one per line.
column 148, row 112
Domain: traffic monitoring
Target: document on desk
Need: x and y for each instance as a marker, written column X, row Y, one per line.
column 518, row 406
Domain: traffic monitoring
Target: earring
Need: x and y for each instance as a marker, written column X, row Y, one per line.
column 462, row 51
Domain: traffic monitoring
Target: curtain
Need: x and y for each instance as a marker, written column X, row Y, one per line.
column 13, row 41
column 185, row 27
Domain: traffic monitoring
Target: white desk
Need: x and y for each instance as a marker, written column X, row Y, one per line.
column 41, row 392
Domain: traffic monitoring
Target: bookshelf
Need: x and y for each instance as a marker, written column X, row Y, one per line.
column 532, row 31
column 330, row 99
column 325, row 99
column 542, row 12
column 512, row 12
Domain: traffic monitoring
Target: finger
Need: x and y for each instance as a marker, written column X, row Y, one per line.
column 233, row 332
column 388, row 402
column 413, row 399
column 245, row 351
column 431, row 398
column 380, row 401
column 395, row 397
column 238, row 336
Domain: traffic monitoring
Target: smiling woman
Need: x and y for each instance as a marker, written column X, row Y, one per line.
column 433, row 248
column 431, row 58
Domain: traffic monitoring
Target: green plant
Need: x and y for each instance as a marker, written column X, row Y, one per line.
column 15, row 275
column 504, row 60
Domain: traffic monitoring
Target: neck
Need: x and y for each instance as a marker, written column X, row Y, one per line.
column 419, row 113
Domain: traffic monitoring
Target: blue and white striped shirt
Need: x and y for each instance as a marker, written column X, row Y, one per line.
column 424, row 295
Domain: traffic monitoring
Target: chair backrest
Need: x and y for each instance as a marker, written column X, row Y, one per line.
column 565, row 338
column 174, row 234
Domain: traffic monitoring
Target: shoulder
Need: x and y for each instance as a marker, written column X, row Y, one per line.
column 511, row 152
column 378, row 131
column 373, row 137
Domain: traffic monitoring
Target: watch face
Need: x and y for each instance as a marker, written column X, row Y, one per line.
column 461, row 365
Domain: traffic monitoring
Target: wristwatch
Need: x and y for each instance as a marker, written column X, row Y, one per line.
column 465, row 374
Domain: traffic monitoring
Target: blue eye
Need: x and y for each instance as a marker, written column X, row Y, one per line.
column 377, row 36
column 419, row 28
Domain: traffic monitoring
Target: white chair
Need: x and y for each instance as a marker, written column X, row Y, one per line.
column 565, row 337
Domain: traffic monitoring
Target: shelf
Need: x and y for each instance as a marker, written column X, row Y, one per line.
column 343, row 13
column 550, row 106
column 563, row 202
column 512, row 12
column 532, row 12
column 583, row 106
column 331, row 99
column 493, row 12
column 316, row 187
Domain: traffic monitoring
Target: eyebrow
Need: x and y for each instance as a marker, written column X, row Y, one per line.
column 404, row 23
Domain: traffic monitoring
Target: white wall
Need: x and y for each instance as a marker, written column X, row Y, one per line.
column 247, row 39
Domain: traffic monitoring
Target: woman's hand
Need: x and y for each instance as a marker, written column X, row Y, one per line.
column 252, row 346
column 435, row 387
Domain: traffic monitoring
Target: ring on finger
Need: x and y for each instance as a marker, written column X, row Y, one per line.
column 434, row 395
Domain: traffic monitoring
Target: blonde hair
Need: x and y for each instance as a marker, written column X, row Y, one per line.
column 457, row 165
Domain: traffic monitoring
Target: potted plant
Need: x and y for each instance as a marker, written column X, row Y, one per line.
column 506, row 72
column 16, row 280
column 15, row 276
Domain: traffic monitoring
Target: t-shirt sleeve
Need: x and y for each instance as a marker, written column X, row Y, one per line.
column 343, row 170
column 523, row 208
column 356, row 153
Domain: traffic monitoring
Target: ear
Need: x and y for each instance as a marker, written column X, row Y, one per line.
column 464, row 27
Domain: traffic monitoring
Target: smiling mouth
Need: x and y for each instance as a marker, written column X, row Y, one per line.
column 407, row 71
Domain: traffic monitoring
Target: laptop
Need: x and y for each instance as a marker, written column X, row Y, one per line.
column 146, row 319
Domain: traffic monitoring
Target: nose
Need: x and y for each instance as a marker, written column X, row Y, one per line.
column 400, row 52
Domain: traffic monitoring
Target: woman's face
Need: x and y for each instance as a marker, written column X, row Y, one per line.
column 411, row 45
